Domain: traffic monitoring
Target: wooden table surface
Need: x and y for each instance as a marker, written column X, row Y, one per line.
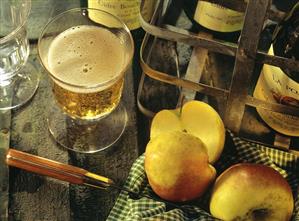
column 33, row 197
column 37, row 198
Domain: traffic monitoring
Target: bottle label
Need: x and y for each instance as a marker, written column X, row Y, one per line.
column 276, row 87
column 218, row 18
column 126, row 10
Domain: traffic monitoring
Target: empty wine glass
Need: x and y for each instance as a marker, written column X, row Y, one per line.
column 18, row 78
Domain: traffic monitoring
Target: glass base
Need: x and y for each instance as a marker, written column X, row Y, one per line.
column 87, row 136
column 16, row 91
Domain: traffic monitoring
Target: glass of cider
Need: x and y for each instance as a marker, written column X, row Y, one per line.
column 86, row 53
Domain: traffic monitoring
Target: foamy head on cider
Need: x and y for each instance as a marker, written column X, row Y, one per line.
column 86, row 56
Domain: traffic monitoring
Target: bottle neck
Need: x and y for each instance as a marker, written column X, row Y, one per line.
column 286, row 39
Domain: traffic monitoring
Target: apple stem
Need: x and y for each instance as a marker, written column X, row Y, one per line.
column 180, row 103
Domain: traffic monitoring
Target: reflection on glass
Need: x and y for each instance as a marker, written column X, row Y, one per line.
column 18, row 78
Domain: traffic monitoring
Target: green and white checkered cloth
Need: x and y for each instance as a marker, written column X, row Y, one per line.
column 235, row 151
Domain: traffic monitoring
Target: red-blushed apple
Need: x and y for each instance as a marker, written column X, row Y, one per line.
column 251, row 192
column 177, row 167
column 196, row 118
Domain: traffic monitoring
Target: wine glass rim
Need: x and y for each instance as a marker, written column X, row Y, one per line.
column 108, row 82
column 21, row 25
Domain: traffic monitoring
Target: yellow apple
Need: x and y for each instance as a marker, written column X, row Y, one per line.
column 251, row 192
column 196, row 118
column 177, row 167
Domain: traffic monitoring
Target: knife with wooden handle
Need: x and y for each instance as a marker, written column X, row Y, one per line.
column 55, row 169
column 72, row 174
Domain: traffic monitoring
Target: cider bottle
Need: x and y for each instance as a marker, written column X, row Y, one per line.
column 278, row 85
column 221, row 22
